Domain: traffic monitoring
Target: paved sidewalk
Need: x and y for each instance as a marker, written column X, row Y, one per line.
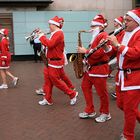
column 21, row 118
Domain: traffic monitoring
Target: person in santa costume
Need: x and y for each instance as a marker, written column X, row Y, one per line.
column 64, row 77
column 96, row 73
column 127, row 79
column 5, row 59
column 56, row 61
column 118, row 23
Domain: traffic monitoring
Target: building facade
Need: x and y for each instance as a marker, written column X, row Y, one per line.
column 22, row 16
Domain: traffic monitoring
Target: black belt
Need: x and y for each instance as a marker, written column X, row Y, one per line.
column 98, row 64
column 129, row 70
column 54, row 59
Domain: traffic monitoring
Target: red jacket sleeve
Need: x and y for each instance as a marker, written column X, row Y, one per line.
column 50, row 43
column 100, row 52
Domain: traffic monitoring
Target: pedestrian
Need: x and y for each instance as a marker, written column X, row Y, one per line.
column 5, row 59
column 96, row 73
column 36, row 47
column 56, row 59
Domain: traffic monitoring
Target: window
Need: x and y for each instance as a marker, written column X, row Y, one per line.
column 137, row 3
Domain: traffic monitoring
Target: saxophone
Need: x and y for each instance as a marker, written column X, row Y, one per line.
column 77, row 58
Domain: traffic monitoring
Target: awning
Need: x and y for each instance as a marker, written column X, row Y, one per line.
column 22, row 3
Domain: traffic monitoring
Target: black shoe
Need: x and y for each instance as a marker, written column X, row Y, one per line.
column 111, row 76
column 114, row 95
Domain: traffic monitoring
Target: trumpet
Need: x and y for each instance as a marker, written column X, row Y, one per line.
column 29, row 37
column 35, row 34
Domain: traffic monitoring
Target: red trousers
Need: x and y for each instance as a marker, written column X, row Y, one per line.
column 128, row 101
column 64, row 77
column 53, row 77
column 101, row 89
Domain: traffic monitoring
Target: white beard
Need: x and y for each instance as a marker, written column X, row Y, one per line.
column 94, row 32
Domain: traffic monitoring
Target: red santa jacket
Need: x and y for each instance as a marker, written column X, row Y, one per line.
column 128, row 57
column 4, row 48
column 55, row 48
column 98, row 60
column 5, row 56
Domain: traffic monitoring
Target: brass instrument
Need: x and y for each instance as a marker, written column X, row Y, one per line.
column 35, row 33
column 29, row 37
column 33, row 36
column 77, row 58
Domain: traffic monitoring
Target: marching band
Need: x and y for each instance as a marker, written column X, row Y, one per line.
column 123, row 45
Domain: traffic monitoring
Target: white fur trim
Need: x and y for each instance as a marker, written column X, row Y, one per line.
column 124, row 51
column 125, row 88
column 4, row 67
column 3, row 56
column 54, row 66
column 121, row 59
column 134, row 16
column 117, row 21
column 94, row 23
column 97, row 75
column 130, row 88
column 53, row 22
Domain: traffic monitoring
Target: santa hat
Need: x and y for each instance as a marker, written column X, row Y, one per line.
column 119, row 20
column 55, row 20
column 98, row 20
column 135, row 14
column 4, row 31
column 61, row 21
